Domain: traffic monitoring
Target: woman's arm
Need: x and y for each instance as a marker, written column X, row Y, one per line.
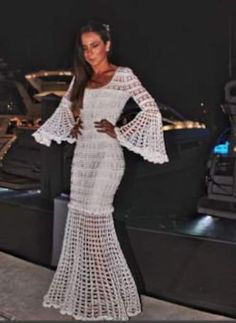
column 58, row 127
column 144, row 134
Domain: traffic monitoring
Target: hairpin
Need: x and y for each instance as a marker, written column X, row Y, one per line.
column 107, row 27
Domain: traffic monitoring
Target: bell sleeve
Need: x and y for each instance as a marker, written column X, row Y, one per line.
column 143, row 134
column 58, row 126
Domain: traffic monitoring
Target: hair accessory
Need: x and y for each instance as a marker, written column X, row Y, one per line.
column 107, row 27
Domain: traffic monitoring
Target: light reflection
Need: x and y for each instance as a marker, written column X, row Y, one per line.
column 203, row 224
column 2, row 189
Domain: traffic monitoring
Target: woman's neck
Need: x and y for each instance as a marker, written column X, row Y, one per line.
column 102, row 68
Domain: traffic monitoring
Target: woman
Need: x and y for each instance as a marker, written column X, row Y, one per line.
column 93, row 280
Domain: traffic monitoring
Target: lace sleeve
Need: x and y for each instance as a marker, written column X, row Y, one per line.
column 59, row 125
column 144, row 134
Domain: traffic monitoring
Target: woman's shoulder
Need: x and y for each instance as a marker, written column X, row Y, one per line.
column 126, row 72
column 125, row 69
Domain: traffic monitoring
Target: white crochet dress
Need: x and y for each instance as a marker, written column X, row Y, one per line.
column 93, row 280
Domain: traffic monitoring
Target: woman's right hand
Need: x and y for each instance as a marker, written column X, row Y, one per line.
column 76, row 129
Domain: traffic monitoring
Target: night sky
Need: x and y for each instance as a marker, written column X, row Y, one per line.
column 178, row 48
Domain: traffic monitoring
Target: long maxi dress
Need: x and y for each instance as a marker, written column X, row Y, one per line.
column 93, row 280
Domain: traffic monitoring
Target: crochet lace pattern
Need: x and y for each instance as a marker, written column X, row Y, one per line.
column 93, row 280
column 59, row 125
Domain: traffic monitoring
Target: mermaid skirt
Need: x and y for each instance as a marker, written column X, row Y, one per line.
column 93, row 280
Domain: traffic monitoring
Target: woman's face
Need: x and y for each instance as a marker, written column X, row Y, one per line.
column 94, row 49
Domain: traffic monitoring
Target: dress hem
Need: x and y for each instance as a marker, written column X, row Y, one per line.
column 99, row 318
column 45, row 138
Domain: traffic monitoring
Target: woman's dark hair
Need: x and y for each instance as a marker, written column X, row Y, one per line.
column 82, row 70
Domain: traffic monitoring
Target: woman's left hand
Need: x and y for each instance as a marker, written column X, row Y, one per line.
column 106, row 127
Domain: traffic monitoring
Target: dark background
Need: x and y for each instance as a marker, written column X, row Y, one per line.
column 178, row 48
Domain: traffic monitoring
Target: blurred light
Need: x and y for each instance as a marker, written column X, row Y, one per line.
column 48, row 73
column 222, row 149
column 203, row 224
column 2, row 189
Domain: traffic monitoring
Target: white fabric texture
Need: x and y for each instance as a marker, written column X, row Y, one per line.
column 144, row 134
column 93, row 280
column 59, row 125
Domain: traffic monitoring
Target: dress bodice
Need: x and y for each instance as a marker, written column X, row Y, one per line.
column 101, row 104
